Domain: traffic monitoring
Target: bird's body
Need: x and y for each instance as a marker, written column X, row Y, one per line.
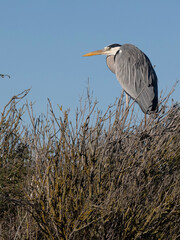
column 134, row 72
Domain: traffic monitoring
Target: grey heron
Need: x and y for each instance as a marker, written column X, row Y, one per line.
column 134, row 72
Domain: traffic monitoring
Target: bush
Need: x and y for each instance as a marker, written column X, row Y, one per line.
column 103, row 177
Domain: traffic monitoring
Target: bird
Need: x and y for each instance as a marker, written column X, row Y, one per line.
column 135, row 73
column 4, row 75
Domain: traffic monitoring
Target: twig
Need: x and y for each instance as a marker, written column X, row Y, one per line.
column 19, row 226
column 19, row 97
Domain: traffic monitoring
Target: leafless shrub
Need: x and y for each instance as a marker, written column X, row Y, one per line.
column 102, row 177
column 14, row 168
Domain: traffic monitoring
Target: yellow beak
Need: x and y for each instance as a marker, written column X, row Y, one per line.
column 98, row 52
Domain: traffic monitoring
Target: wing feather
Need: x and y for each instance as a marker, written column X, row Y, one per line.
column 135, row 73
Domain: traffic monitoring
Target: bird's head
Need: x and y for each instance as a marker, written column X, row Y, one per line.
column 110, row 50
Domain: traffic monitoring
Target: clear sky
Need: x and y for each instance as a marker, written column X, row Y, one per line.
column 42, row 43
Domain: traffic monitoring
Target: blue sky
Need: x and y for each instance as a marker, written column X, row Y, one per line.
column 42, row 43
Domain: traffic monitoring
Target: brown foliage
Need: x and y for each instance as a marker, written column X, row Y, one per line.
column 103, row 177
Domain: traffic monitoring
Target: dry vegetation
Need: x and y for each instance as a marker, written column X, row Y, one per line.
column 103, row 177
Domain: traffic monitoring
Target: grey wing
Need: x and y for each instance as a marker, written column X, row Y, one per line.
column 137, row 77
